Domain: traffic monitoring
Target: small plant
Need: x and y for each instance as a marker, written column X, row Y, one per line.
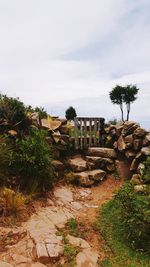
column 71, row 178
column 32, row 162
column 13, row 114
column 5, row 151
column 12, row 202
column 146, row 176
column 70, row 253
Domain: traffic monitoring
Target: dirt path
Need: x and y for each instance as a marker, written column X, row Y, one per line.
column 40, row 242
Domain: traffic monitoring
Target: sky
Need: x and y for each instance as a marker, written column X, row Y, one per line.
column 62, row 53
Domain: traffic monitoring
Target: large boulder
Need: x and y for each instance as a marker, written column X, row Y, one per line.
column 102, row 152
column 121, row 145
column 58, row 165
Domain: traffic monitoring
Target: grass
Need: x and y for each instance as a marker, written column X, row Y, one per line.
column 119, row 252
column 70, row 253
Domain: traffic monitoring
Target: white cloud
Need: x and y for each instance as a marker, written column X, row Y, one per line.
column 43, row 42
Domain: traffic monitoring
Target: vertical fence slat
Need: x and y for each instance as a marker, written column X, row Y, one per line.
column 95, row 132
column 90, row 132
column 85, row 133
column 93, row 136
column 99, row 124
column 76, row 132
column 81, row 137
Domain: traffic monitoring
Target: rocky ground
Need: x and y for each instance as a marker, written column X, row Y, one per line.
column 41, row 240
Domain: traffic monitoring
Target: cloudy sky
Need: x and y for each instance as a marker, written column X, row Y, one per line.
column 57, row 53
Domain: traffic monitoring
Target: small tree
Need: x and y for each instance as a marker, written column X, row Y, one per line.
column 124, row 94
column 116, row 96
column 130, row 95
column 71, row 113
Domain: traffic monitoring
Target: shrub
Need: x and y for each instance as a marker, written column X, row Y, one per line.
column 5, row 151
column 13, row 113
column 146, row 176
column 71, row 113
column 12, row 202
column 134, row 216
column 32, row 162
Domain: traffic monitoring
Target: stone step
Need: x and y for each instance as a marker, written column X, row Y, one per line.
column 99, row 163
column 89, row 178
column 77, row 164
column 102, row 152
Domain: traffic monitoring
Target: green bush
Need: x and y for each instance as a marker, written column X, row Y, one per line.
column 134, row 216
column 13, row 113
column 32, row 162
column 5, row 151
column 146, row 176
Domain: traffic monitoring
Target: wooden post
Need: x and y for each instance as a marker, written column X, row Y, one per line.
column 95, row 131
column 81, row 137
column 90, row 132
column 85, row 133
column 76, row 133
column 99, row 124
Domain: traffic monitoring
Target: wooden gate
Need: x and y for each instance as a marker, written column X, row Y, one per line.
column 89, row 132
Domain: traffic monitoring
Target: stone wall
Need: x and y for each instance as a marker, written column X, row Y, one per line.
column 132, row 143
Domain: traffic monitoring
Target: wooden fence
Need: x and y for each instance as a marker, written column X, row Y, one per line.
column 89, row 132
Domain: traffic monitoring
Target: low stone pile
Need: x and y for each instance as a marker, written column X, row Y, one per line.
column 131, row 142
column 91, row 168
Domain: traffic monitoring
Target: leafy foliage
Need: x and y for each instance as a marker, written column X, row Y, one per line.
column 71, row 113
column 32, row 161
column 134, row 216
column 5, row 151
column 40, row 110
column 124, row 94
column 117, row 249
column 146, row 176
column 13, row 113
column 12, row 202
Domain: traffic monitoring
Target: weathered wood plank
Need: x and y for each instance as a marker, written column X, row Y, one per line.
column 90, row 132
column 85, row 133
column 95, row 132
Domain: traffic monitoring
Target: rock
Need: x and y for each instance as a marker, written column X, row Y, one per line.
column 87, row 258
column 51, row 124
column 96, row 175
column 119, row 129
column 77, row 242
column 139, row 188
column 5, row 264
column 110, row 167
column 38, row 264
column 97, row 162
column 58, row 165
column 129, row 139
column 54, row 251
column 83, row 179
column 137, row 144
column 19, row 259
column 130, row 154
column 12, row 132
column 64, row 195
column 140, row 132
column 56, row 136
column 146, row 140
column 65, row 138
column 134, row 165
column 145, row 151
column 64, row 129
column 40, row 252
column 77, row 164
column 135, row 180
column 88, row 178
column 129, row 127
column 102, row 152
column 121, row 144
column 141, row 169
